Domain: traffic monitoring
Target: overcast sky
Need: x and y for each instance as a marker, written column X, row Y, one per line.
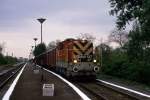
column 65, row 19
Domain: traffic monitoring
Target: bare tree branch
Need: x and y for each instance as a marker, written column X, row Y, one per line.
column 53, row 44
column 118, row 36
column 86, row 36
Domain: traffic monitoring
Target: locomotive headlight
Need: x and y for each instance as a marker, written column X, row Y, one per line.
column 75, row 61
column 94, row 61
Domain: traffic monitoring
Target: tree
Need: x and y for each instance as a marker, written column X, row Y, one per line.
column 86, row 36
column 133, row 64
column 138, row 12
column 127, row 10
column 2, row 60
column 10, row 59
column 136, row 46
column 132, row 10
column 39, row 49
column 135, row 11
column 2, row 47
column 102, row 53
column 53, row 44
column 118, row 36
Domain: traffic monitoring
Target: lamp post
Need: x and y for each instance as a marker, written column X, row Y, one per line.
column 41, row 20
column 35, row 39
column 32, row 47
column 32, row 51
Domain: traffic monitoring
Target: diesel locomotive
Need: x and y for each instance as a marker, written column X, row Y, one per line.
column 71, row 58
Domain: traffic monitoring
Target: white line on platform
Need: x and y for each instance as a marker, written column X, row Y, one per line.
column 82, row 95
column 11, row 88
column 124, row 88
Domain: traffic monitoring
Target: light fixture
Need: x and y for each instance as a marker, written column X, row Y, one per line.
column 75, row 61
column 94, row 61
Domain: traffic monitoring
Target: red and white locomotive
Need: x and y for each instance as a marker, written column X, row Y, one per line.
column 71, row 57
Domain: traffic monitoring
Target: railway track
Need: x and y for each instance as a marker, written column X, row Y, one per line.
column 6, row 75
column 97, row 91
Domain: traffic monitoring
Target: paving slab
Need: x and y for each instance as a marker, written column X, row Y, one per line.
column 29, row 86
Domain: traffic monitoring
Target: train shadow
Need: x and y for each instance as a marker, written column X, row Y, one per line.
column 83, row 79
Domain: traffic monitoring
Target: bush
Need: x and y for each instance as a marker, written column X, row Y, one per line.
column 10, row 60
column 7, row 60
column 120, row 66
column 2, row 60
column 144, row 74
column 135, row 71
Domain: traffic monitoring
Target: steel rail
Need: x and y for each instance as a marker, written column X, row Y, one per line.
column 97, row 95
column 121, row 91
column 13, row 73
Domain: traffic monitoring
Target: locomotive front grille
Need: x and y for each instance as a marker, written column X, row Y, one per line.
column 83, row 51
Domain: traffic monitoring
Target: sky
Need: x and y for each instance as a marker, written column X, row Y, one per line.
column 64, row 19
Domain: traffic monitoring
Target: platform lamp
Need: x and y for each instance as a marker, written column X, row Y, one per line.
column 32, row 50
column 35, row 39
column 41, row 20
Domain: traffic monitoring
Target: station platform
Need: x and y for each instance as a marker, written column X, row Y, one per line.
column 30, row 86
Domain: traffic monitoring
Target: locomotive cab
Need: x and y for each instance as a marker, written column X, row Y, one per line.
column 75, row 58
